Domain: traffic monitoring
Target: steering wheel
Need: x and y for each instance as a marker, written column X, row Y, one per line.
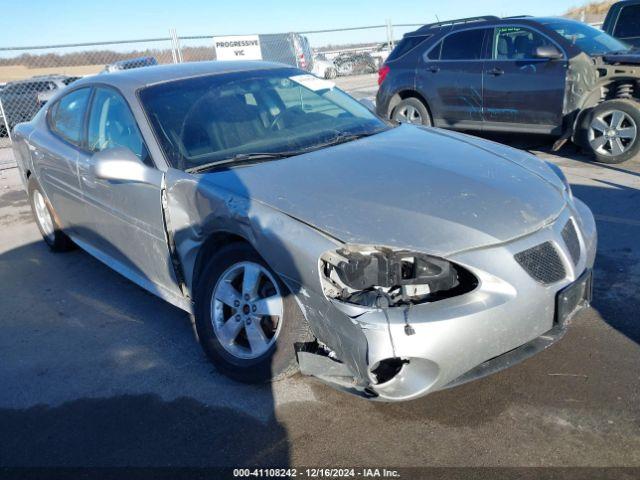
column 276, row 119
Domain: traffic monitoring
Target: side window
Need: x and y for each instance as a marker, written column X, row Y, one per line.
column 517, row 43
column 465, row 45
column 434, row 53
column 111, row 124
column 67, row 115
column 628, row 24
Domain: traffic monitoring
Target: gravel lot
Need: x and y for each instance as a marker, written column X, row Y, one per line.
column 95, row 371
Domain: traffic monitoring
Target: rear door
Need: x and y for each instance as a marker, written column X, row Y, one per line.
column 55, row 155
column 449, row 76
column 124, row 219
column 522, row 92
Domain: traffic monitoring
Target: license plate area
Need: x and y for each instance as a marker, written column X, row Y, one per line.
column 573, row 297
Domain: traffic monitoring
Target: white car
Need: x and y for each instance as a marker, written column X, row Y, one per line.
column 324, row 68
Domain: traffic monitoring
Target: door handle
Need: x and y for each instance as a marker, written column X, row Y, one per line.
column 496, row 72
column 434, row 69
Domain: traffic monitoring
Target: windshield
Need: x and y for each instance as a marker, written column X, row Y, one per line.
column 589, row 39
column 208, row 119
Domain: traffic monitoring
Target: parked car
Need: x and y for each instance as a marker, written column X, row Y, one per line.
column 521, row 74
column 623, row 21
column 21, row 99
column 355, row 63
column 130, row 63
column 381, row 53
column 324, row 68
column 288, row 218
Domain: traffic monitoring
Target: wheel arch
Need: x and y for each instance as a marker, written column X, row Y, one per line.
column 213, row 242
column 404, row 94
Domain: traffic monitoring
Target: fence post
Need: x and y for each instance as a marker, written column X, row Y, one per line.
column 176, row 51
column 174, row 55
column 6, row 121
column 390, row 34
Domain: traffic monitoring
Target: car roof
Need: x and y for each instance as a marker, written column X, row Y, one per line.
column 485, row 21
column 135, row 78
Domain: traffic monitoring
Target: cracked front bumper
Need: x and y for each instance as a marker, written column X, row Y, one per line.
column 507, row 318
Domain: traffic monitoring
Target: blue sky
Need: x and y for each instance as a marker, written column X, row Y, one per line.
column 38, row 22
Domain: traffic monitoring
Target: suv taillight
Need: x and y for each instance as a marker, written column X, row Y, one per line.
column 382, row 73
column 303, row 61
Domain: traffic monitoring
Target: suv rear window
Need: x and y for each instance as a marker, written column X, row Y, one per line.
column 465, row 45
column 628, row 24
column 405, row 46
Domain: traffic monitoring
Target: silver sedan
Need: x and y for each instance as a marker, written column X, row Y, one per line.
column 304, row 233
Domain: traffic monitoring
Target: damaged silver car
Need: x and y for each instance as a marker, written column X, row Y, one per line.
column 303, row 232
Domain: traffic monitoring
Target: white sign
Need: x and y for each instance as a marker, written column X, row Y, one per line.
column 312, row 82
column 235, row 47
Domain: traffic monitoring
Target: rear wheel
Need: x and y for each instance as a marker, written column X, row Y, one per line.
column 246, row 319
column 611, row 131
column 46, row 220
column 411, row 110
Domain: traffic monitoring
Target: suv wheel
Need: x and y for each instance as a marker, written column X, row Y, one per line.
column 246, row 319
column 411, row 110
column 611, row 130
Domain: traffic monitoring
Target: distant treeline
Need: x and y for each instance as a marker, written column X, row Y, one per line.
column 99, row 57
column 105, row 57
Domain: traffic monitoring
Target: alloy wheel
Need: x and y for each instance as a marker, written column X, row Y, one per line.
column 43, row 216
column 408, row 114
column 246, row 310
column 612, row 133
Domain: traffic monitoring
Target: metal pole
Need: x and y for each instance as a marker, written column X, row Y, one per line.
column 173, row 47
column 178, row 48
column 6, row 121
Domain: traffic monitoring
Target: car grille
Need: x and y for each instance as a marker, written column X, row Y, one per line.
column 542, row 262
column 570, row 237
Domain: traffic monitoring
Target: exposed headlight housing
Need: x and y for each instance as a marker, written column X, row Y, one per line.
column 361, row 275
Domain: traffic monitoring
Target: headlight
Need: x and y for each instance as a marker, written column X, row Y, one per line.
column 362, row 275
column 562, row 177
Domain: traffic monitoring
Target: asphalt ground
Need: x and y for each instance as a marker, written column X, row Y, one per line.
column 96, row 372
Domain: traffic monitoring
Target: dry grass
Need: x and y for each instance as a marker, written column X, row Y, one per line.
column 593, row 12
column 19, row 72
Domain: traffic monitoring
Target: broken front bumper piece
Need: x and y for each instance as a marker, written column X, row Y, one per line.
column 417, row 348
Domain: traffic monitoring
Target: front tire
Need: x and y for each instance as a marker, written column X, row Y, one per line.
column 411, row 110
column 611, row 131
column 51, row 231
column 246, row 319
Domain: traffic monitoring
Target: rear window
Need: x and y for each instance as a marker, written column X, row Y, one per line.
column 406, row 45
column 628, row 24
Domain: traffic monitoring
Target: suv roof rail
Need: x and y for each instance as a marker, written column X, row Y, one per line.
column 517, row 16
column 483, row 18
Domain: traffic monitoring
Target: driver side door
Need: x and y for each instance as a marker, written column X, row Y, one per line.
column 522, row 92
column 124, row 220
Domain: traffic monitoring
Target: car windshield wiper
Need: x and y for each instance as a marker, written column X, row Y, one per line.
column 240, row 158
column 348, row 137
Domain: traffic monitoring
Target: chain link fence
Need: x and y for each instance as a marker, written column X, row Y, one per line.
column 31, row 75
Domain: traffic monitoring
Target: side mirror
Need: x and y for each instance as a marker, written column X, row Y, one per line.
column 121, row 164
column 369, row 104
column 548, row 52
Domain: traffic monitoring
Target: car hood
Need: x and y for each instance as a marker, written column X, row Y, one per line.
column 631, row 58
column 409, row 187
